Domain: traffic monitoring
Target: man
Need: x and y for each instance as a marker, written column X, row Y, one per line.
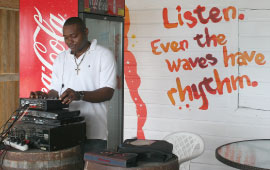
column 84, row 76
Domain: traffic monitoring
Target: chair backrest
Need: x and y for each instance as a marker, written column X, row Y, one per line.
column 186, row 146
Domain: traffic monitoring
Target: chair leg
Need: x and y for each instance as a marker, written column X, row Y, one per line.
column 185, row 166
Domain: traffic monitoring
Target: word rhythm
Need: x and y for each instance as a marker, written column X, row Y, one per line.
column 197, row 91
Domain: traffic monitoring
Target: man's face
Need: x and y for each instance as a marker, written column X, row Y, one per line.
column 75, row 38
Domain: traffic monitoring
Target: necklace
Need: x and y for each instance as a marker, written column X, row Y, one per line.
column 78, row 65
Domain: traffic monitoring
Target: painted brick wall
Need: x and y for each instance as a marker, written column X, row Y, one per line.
column 159, row 33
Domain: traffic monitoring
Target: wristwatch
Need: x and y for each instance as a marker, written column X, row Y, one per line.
column 81, row 95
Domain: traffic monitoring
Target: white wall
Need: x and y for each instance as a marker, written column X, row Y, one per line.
column 231, row 116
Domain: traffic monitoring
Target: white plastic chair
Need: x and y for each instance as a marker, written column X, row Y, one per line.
column 186, row 146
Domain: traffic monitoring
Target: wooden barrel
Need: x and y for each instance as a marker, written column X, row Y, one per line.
column 67, row 159
column 170, row 165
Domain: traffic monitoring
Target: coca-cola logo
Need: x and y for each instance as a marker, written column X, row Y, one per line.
column 48, row 43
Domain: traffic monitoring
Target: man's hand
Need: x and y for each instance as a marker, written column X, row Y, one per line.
column 38, row 95
column 69, row 95
column 42, row 95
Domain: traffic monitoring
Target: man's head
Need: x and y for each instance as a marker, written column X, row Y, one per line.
column 75, row 34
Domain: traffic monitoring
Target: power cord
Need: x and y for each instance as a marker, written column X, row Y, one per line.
column 7, row 126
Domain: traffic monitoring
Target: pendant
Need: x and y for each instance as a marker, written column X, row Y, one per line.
column 77, row 69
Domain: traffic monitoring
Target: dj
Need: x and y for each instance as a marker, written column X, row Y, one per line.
column 84, row 76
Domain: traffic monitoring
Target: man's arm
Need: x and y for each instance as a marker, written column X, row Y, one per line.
column 99, row 95
column 96, row 96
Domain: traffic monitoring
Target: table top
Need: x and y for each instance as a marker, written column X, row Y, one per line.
column 246, row 155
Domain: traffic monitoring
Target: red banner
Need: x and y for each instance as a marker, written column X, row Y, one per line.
column 41, row 40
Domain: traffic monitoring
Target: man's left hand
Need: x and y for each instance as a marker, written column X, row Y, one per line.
column 69, row 95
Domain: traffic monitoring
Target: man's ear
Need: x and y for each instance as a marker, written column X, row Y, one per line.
column 86, row 32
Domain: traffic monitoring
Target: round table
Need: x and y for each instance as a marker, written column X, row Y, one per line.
column 246, row 155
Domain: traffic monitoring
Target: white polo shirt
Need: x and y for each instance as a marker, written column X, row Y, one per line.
column 97, row 70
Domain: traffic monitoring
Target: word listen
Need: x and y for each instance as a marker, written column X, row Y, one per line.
column 197, row 91
column 191, row 20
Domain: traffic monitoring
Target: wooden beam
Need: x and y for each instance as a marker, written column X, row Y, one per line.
column 9, row 77
column 13, row 4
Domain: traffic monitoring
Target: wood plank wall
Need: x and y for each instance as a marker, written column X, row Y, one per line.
column 9, row 58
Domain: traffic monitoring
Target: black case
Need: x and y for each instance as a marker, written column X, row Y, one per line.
column 151, row 151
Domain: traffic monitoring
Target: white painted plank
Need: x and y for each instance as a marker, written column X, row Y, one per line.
column 223, row 121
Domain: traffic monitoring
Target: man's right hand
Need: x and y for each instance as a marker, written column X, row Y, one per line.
column 38, row 95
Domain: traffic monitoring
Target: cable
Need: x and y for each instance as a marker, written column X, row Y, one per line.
column 3, row 153
column 17, row 117
column 63, row 71
column 3, row 126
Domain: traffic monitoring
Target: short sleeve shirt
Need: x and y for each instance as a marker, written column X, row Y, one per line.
column 96, row 69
